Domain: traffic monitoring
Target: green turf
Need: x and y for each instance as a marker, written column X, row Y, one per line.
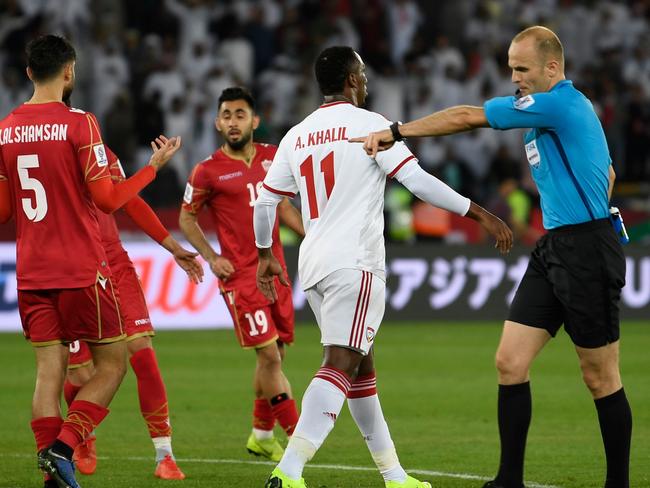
column 437, row 385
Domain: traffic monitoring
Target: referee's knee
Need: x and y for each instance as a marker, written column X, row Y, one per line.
column 512, row 370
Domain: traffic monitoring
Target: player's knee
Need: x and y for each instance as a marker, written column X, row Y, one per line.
column 269, row 358
column 601, row 381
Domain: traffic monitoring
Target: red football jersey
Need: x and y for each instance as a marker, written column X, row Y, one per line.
column 229, row 188
column 48, row 152
column 109, row 232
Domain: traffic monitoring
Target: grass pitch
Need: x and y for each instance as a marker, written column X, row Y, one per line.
column 438, row 388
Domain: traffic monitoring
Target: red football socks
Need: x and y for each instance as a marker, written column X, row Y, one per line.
column 285, row 412
column 83, row 417
column 45, row 431
column 263, row 418
column 70, row 392
column 151, row 392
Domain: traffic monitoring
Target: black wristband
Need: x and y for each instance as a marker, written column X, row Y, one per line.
column 394, row 128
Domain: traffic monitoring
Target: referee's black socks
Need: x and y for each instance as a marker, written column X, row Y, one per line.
column 615, row 417
column 514, row 418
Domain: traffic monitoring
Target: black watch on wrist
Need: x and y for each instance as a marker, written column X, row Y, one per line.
column 394, row 129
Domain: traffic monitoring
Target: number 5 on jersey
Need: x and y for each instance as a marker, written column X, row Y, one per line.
column 38, row 212
column 307, row 172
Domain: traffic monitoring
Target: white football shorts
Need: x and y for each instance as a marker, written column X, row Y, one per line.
column 349, row 306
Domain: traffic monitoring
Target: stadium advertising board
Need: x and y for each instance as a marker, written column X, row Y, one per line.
column 425, row 282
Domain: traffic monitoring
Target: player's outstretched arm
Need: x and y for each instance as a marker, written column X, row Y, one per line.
column 430, row 189
column 220, row 266
column 6, row 207
column 449, row 121
column 109, row 197
column 493, row 225
column 146, row 219
column 290, row 217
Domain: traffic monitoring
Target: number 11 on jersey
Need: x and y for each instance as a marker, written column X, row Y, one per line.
column 307, row 172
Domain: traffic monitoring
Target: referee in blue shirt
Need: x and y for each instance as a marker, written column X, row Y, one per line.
column 576, row 270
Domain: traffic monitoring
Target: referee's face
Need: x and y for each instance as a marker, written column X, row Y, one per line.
column 528, row 70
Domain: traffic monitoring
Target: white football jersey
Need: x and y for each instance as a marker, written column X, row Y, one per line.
column 341, row 189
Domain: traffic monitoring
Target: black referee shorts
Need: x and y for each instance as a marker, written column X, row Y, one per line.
column 574, row 277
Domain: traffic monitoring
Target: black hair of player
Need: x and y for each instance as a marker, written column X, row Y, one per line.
column 333, row 66
column 47, row 55
column 237, row 93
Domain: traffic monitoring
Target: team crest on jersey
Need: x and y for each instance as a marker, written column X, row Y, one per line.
column 524, row 102
column 100, row 155
column 266, row 164
column 189, row 192
column 370, row 334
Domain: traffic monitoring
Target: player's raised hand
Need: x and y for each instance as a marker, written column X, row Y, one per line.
column 268, row 267
column 375, row 142
column 163, row 150
column 494, row 226
column 221, row 267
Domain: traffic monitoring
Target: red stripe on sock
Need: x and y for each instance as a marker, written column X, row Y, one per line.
column 336, row 377
column 151, row 393
column 363, row 386
column 83, row 417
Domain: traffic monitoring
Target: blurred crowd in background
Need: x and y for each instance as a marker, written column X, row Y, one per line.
column 147, row 67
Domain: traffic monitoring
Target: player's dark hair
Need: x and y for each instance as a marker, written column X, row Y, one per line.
column 47, row 55
column 237, row 93
column 333, row 66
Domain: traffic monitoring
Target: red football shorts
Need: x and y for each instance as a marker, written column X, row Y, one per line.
column 133, row 306
column 257, row 322
column 133, row 309
column 80, row 355
column 59, row 316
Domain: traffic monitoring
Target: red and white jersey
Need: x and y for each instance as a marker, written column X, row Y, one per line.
column 341, row 189
column 48, row 153
column 228, row 187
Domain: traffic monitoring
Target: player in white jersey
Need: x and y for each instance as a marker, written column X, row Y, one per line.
column 342, row 257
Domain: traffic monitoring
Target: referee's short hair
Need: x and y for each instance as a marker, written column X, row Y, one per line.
column 47, row 55
column 547, row 43
column 333, row 66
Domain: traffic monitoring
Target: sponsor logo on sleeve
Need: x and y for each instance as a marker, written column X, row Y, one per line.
column 100, row 155
column 524, row 102
column 189, row 192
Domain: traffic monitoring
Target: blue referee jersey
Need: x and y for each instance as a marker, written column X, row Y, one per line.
column 564, row 131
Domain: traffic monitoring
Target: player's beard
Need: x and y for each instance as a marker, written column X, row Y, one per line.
column 241, row 143
column 67, row 93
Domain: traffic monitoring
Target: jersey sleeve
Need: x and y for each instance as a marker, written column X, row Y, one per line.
column 539, row 110
column 114, row 166
column 394, row 159
column 280, row 179
column 92, row 154
column 197, row 191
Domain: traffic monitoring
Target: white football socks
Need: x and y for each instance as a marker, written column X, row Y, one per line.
column 321, row 405
column 369, row 417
